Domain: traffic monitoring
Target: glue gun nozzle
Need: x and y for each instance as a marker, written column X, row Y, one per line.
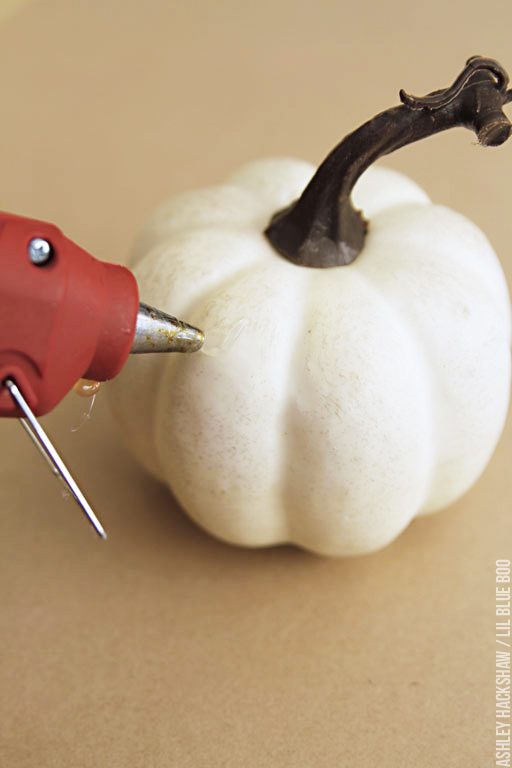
column 158, row 332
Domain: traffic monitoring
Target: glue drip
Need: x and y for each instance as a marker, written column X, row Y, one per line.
column 86, row 388
column 221, row 338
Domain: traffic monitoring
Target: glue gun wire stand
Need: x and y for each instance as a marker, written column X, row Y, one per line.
column 50, row 453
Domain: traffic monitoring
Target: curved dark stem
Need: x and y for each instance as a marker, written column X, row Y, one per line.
column 322, row 228
column 440, row 99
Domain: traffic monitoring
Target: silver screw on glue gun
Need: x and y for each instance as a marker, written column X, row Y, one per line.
column 156, row 331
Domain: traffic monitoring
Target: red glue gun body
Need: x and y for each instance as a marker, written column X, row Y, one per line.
column 69, row 317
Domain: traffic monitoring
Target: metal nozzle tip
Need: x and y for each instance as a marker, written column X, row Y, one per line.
column 158, row 332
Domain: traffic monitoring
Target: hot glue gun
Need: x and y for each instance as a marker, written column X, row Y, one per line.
column 65, row 316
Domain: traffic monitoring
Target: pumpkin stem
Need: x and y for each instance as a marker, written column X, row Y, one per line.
column 322, row 228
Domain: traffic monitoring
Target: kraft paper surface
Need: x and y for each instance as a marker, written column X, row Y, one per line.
column 164, row 647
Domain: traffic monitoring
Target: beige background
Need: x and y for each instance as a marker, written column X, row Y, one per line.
column 9, row 7
column 164, row 647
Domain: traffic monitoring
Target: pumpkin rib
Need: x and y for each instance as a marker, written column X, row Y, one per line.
column 149, row 370
column 170, row 381
column 431, row 334
column 324, row 517
column 288, row 512
column 413, row 219
column 214, row 207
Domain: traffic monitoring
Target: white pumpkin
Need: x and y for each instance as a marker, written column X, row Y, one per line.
column 339, row 403
column 331, row 406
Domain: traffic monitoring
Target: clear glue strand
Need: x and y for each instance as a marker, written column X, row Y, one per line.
column 89, row 389
column 218, row 340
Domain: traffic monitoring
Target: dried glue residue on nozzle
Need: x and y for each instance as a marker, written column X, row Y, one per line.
column 221, row 338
